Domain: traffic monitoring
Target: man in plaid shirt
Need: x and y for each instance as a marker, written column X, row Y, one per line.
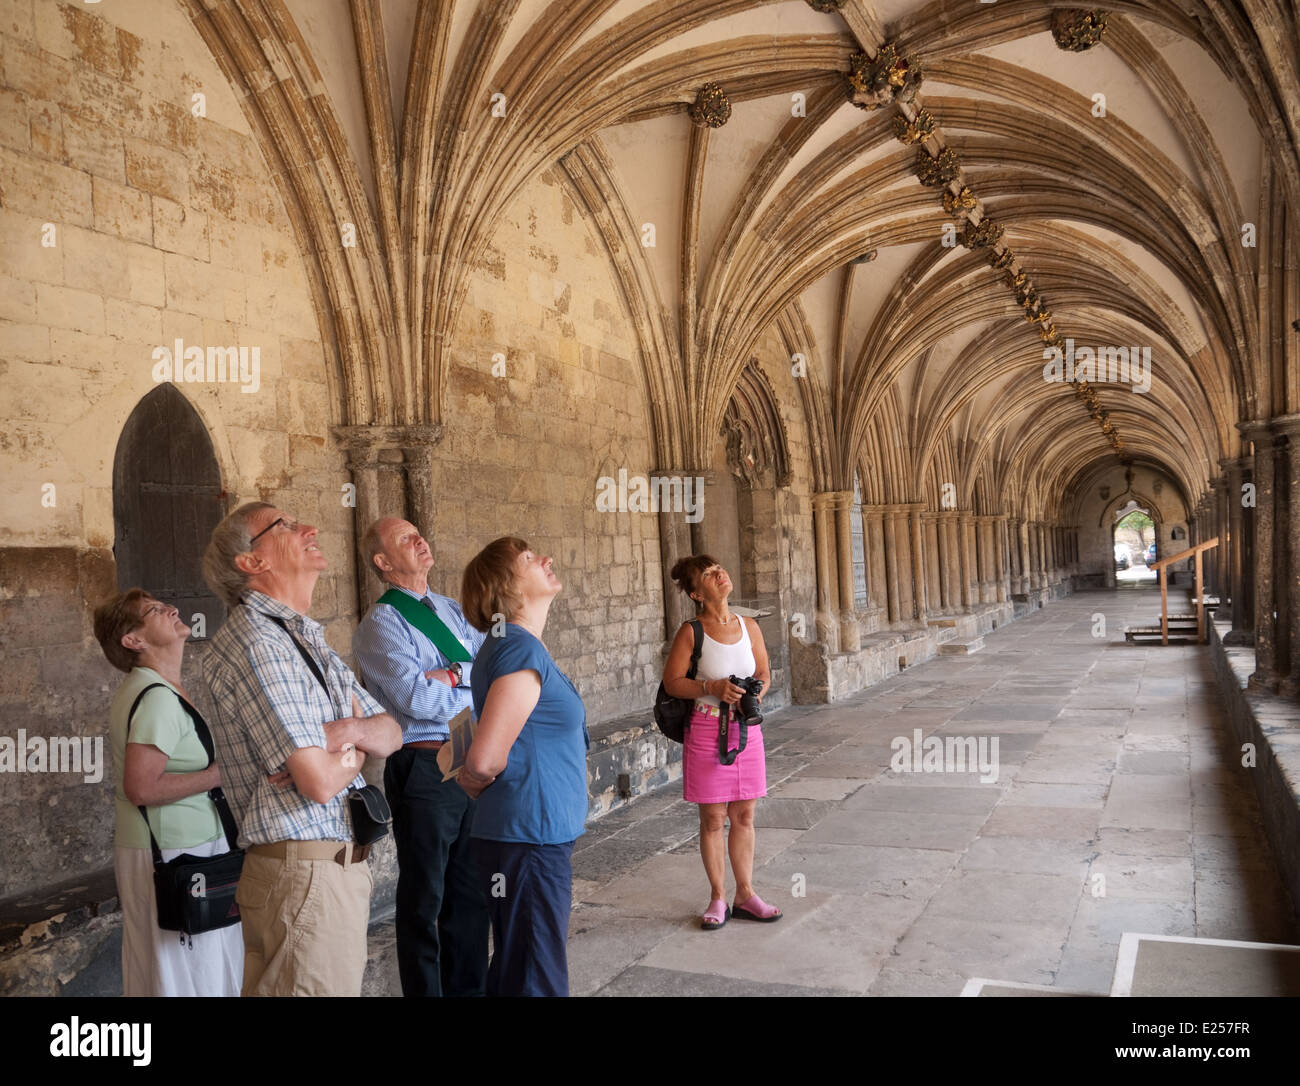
column 291, row 729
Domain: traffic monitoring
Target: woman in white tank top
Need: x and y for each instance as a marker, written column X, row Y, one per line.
column 731, row 645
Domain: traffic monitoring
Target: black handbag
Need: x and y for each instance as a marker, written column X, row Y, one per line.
column 671, row 713
column 195, row 893
column 371, row 815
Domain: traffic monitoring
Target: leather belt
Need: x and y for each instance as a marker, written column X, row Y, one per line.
column 424, row 744
column 338, row 851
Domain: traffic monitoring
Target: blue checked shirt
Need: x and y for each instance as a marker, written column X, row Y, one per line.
column 268, row 705
column 393, row 656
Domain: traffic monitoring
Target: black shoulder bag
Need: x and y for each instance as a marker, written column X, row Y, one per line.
column 672, row 714
column 371, row 815
column 195, row 893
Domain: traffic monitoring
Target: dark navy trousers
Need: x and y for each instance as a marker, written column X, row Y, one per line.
column 529, row 891
column 442, row 920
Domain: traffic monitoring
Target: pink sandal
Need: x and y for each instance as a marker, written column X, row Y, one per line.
column 715, row 915
column 756, row 909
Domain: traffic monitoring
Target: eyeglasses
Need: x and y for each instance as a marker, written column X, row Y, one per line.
column 292, row 525
column 152, row 609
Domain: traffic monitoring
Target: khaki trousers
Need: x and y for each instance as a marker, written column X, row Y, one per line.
column 304, row 924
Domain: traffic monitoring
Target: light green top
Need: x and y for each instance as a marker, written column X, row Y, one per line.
column 160, row 721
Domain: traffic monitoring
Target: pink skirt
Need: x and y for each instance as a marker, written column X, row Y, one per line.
column 705, row 779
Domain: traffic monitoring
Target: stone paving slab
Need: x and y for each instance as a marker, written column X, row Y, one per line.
column 990, row 893
column 1114, row 762
column 937, row 800
column 1030, row 856
column 642, row 981
column 1025, row 793
column 906, row 829
column 1066, row 823
column 816, row 788
column 858, row 869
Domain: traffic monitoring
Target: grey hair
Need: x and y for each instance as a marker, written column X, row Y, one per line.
column 371, row 545
column 231, row 538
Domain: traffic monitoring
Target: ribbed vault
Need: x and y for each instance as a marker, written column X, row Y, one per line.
column 1128, row 226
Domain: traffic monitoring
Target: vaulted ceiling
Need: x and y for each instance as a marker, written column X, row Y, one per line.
column 1139, row 190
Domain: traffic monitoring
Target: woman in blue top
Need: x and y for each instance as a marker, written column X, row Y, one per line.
column 527, row 766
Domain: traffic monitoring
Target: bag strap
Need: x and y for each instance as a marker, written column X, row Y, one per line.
column 311, row 663
column 216, row 795
column 697, row 628
column 302, row 651
column 428, row 623
column 724, row 719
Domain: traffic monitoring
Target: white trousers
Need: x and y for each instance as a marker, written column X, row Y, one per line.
column 167, row 963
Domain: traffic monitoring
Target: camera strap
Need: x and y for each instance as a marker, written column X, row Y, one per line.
column 725, row 756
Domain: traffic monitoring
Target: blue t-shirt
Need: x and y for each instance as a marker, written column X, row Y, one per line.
column 540, row 798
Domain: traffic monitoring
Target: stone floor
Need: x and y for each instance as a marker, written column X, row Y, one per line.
column 1119, row 805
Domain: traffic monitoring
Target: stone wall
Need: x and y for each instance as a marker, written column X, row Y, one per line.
column 127, row 222
column 524, row 448
column 1096, row 553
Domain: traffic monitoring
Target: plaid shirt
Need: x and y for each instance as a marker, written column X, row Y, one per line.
column 268, row 705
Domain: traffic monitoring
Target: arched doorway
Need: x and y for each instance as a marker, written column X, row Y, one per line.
column 1134, row 534
column 167, row 498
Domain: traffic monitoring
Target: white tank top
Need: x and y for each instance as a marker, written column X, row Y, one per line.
column 717, row 661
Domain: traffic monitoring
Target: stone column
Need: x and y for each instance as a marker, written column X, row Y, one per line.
column 850, row 634
column 941, row 556
column 920, row 589
column 420, row 506
column 963, row 535
column 1263, row 439
column 1017, row 543
column 954, row 563
column 1288, row 426
column 828, row 627
column 873, row 527
column 1001, row 526
column 392, row 470
column 1237, row 611
column 674, row 542
column 891, row 565
column 989, row 559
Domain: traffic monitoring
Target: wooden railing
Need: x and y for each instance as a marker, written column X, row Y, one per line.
column 1162, row 566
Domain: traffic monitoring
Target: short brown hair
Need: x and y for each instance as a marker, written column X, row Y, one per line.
column 116, row 617
column 686, row 572
column 487, row 589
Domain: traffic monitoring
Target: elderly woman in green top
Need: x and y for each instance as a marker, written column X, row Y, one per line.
column 163, row 766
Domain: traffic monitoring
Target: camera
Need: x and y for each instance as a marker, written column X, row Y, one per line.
column 747, row 710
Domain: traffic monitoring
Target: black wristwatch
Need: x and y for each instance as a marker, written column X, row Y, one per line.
column 454, row 668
